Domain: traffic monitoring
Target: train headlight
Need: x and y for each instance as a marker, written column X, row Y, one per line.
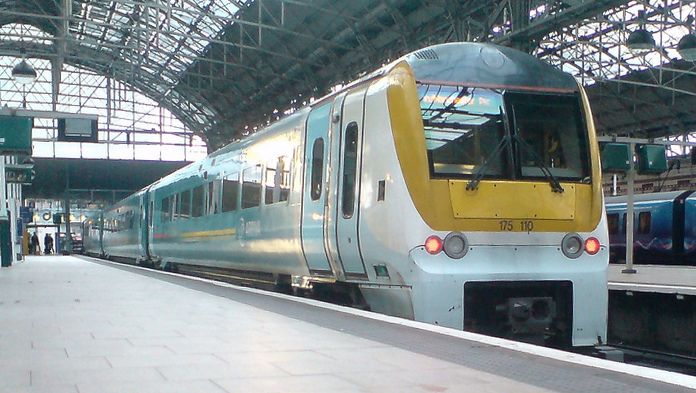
column 572, row 245
column 592, row 245
column 456, row 245
column 433, row 244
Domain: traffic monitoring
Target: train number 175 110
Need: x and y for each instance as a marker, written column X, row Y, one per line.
column 522, row 226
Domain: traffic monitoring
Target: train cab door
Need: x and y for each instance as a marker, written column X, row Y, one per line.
column 314, row 196
column 346, row 210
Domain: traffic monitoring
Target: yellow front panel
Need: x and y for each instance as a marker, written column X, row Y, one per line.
column 444, row 205
column 513, row 200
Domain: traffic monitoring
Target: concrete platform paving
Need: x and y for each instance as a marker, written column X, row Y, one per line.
column 654, row 278
column 73, row 325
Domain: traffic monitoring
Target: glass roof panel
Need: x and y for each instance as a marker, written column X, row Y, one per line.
column 597, row 47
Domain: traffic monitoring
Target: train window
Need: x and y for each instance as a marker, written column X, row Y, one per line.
column 644, row 222
column 185, row 204
column 213, row 197
column 251, row 187
column 271, row 182
column 283, row 178
column 317, row 168
column 350, row 158
column 613, row 223
column 172, row 206
column 198, row 201
column 174, row 200
column 230, row 192
column 549, row 133
column 623, row 224
column 165, row 209
column 277, row 181
column 463, row 130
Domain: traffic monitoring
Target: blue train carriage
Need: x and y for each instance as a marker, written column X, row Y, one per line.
column 236, row 209
column 124, row 229
column 458, row 185
column 663, row 229
column 690, row 229
column 92, row 235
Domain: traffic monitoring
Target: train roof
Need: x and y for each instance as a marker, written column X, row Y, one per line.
column 487, row 65
column 651, row 197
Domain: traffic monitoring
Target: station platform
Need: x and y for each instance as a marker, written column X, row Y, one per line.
column 678, row 280
column 73, row 324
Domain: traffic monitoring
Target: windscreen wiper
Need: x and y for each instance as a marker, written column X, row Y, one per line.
column 480, row 171
column 555, row 185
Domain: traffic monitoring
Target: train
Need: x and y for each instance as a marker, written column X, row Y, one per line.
column 458, row 185
column 664, row 231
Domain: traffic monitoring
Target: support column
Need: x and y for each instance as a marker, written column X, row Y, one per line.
column 67, row 248
column 629, row 214
column 5, row 229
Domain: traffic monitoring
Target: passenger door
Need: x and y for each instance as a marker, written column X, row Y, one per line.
column 143, row 238
column 314, row 191
column 346, row 210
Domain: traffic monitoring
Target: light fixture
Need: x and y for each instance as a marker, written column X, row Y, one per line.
column 640, row 40
column 687, row 47
column 24, row 73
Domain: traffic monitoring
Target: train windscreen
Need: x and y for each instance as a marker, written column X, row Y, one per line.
column 477, row 132
column 550, row 134
column 463, row 128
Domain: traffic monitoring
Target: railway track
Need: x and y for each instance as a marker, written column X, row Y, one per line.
column 658, row 359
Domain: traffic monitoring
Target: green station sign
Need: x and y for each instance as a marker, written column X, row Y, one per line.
column 15, row 134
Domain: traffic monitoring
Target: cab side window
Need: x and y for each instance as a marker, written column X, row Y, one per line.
column 349, row 169
column 317, row 168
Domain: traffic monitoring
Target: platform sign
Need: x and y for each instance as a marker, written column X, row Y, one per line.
column 15, row 134
column 75, row 129
column 20, row 173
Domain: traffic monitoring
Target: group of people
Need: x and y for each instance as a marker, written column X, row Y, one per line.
column 35, row 248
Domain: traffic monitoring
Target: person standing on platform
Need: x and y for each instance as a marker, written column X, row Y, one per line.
column 34, row 244
column 48, row 244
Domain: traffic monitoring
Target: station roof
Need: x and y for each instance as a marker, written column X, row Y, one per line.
column 225, row 67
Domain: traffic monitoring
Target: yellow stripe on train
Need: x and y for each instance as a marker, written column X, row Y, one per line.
column 219, row 232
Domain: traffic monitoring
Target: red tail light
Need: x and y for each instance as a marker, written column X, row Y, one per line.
column 433, row 244
column 591, row 245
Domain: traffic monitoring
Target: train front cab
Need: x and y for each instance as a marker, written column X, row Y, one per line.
column 510, row 162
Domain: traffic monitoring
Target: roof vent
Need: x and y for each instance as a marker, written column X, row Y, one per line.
column 426, row 54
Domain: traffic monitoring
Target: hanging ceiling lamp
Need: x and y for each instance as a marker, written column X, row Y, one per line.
column 687, row 47
column 640, row 40
column 24, row 73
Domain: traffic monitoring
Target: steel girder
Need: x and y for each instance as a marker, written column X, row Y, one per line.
column 227, row 67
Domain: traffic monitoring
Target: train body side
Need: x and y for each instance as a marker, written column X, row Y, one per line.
column 219, row 216
column 663, row 229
